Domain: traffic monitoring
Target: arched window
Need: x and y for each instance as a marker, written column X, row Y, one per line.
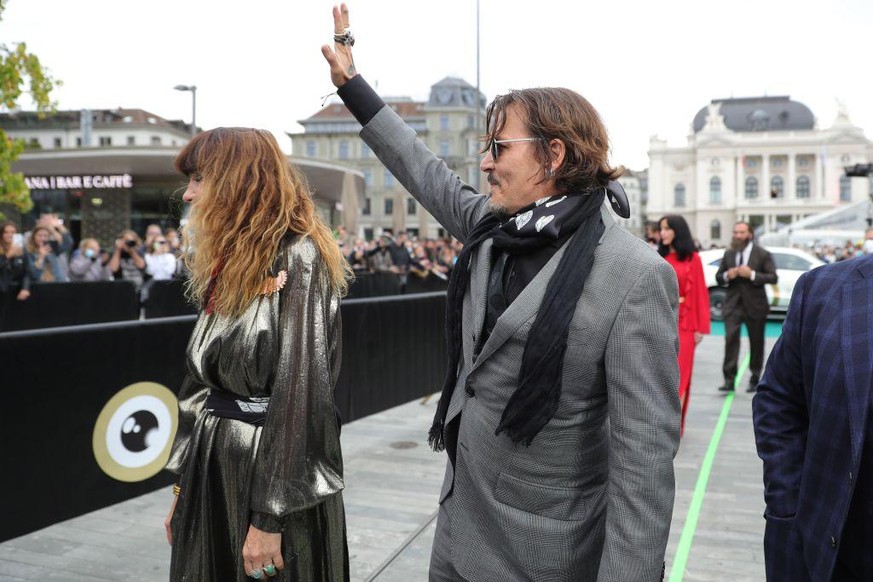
column 845, row 189
column 715, row 190
column 679, row 195
column 777, row 188
column 802, row 187
column 715, row 230
column 751, row 187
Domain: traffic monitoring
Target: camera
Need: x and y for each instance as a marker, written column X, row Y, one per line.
column 130, row 243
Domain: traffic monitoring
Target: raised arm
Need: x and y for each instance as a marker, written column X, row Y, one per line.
column 456, row 205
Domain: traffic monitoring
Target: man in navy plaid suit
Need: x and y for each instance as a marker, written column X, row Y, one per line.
column 813, row 430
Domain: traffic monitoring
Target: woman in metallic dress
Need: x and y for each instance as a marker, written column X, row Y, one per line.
column 257, row 449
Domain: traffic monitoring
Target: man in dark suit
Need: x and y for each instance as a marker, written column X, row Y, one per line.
column 813, row 430
column 744, row 270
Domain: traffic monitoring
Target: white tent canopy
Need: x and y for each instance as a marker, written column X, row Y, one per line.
column 834, row 227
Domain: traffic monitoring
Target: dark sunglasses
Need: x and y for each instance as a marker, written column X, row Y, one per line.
column 493, row 145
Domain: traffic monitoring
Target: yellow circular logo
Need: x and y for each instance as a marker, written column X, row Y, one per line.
column 135, row 430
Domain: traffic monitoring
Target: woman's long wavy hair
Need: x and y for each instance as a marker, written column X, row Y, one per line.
column 250, row 198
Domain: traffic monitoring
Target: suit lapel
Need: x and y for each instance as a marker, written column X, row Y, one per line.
column 528, row 302
column 857, row 344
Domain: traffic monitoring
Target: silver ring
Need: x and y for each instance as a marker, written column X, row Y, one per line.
column 346, row 38
column 257, row 574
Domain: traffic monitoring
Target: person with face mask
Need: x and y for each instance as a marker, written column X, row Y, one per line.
column 90, row 264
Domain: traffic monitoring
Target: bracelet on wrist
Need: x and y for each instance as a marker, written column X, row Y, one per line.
column 177, row 490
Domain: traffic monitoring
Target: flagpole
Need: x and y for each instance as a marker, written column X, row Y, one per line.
column 478, row 102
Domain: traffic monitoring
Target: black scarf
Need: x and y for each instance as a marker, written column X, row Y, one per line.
column 536, row 399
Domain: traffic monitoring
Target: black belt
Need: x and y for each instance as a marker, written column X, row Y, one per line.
column 226, row 405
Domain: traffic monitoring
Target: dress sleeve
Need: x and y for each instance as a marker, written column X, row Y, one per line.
column 299, row 463
column 701, row 295
column 192, row 398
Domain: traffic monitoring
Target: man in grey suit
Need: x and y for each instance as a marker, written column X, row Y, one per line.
column 560, row 413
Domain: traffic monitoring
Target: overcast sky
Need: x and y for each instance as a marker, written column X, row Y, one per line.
column 648, row 67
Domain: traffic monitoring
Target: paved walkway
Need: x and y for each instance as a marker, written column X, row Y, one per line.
column 392, row 482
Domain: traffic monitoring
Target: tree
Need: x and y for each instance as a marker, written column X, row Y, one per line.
column 20, row 72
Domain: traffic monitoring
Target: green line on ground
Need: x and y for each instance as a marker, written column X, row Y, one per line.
column 684, row 548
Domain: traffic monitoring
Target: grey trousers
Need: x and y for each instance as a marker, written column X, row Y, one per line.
column 441, row 567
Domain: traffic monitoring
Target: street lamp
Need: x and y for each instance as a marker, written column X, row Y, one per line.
column 193, row 89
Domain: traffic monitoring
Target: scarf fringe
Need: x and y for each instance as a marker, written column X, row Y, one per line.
column 435, row 438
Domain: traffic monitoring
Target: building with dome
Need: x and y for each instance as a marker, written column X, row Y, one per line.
column 763, row 160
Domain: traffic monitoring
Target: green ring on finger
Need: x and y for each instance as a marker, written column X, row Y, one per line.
column 270, row 570
column 257, row 574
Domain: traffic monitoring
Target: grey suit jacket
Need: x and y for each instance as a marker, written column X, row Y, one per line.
column 592, row 497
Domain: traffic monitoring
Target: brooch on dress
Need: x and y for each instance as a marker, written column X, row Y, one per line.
column 275, row 284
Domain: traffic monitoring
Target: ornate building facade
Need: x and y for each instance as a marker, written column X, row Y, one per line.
column 446, row 122
column 763, row 160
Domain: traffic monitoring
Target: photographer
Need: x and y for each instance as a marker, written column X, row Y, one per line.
column 90, row 264
column 126, row 262
column 43, row 264
column 60, row 240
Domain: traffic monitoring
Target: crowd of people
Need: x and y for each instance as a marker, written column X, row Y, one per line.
column 403, row 254
column 849, row 250
column 48, row 254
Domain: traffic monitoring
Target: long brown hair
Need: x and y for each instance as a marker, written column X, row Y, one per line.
column 250, row 198
column 31, row 245
column 558, row 113
column 3, row 226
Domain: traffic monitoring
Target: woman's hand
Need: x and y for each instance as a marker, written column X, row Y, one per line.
column 170, row 519
column 262, row 549
column 698, row 337
column 23, row 295
column 342, row 66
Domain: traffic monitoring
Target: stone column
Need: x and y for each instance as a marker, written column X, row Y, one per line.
column 791, row 186
column 765, row 175
column 741, row 183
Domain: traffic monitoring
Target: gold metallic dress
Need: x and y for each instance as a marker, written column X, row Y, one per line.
column 285, row 476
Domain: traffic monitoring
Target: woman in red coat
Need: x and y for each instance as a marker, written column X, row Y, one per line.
column 678, row 248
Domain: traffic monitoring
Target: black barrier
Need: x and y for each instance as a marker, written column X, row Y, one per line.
column 65, row 304
column 56, row 383
column 166, row 299
column 428, row 284
column 64, row 386
column 375, row 285
column 393, row 352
